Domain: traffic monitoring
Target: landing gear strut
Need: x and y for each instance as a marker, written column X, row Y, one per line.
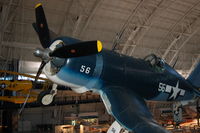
column 177, row 113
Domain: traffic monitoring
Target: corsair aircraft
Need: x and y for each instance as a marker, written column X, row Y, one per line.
column 124, row 83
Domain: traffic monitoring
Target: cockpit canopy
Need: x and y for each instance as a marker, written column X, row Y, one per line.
column 155, row 62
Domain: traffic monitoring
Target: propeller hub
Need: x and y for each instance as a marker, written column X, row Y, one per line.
column 43, row 54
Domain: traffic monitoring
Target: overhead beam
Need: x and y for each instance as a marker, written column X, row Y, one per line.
column 174, row 26
column 21, row 45
column 153, row 14
column 6, row 10
column 119, row 35
column 96, row 7
column 185, row 42
column 19, row 50
column 77, row 25
column 194, row 64
column 4, row 18
column 66, row 11
column 170, row 46
column 130, row 38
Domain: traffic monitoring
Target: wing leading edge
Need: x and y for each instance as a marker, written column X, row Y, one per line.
column 130, row 110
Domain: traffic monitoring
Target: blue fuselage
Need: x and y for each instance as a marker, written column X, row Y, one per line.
column 109, row 68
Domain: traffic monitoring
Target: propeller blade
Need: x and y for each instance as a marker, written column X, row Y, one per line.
column 77, row 50
column 43, row 63
column 41, row 26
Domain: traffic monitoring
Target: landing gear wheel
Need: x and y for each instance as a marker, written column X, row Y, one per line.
column 46, row 98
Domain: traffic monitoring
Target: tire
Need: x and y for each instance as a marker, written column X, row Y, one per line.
column 45, row 98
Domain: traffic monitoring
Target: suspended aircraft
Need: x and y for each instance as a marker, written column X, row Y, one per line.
column 124, row 83
column 22, row 87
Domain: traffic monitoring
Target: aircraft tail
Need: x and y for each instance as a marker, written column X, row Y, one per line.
column 194, row 77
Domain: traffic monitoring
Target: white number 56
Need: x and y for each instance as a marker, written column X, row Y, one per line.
column 85, row 69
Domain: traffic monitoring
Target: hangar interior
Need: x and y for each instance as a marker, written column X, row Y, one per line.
column 168, row 28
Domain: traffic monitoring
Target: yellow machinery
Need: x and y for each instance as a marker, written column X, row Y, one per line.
column 21, row 87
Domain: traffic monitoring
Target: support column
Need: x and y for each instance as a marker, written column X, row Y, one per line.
column 10, row 116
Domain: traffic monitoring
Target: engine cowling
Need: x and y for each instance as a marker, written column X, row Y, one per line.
column 80, row 74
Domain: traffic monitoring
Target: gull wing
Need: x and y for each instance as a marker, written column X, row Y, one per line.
column 130, row 110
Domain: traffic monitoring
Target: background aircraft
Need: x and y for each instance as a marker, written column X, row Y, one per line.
column 22, row 87
column 123, row 82
column 41, row 91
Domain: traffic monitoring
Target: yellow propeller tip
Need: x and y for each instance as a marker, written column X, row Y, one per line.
column 99, row 46
column 39, row 4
